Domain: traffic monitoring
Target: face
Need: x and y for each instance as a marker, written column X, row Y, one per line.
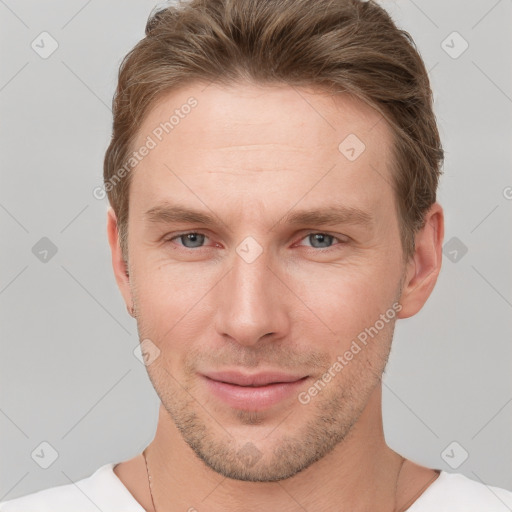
column 263, row 248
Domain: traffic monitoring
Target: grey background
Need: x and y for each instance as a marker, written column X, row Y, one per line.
column 68, row 372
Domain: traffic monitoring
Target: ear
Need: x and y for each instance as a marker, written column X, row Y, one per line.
column 119, row 265
column 424, row 265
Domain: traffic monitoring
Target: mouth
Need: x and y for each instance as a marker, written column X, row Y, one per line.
column 252, row 392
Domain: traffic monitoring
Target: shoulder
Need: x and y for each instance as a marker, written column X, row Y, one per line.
column 454, row 492
column 100, row 491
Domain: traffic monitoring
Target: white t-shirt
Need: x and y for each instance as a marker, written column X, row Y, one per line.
column 104, row 491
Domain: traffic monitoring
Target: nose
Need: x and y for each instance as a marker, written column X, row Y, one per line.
column 251, row 303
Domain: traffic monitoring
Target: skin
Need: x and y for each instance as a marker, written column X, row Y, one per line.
column 249, row 155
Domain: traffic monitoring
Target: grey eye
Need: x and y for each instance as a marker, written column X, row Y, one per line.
column 192, row 240
column 320, row 240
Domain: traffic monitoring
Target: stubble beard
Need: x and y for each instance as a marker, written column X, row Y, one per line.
column 278, row 456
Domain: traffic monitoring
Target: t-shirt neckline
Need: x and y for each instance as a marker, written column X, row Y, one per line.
column 109, row 469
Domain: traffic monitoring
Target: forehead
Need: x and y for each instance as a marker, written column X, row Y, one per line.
column 258, row 139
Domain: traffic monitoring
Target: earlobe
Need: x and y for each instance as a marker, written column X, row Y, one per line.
column 119, row 265
column 424, row 265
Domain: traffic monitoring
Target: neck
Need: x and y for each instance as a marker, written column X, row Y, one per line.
column 359, row 474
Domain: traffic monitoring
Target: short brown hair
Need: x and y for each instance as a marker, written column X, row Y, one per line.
column 349, row 46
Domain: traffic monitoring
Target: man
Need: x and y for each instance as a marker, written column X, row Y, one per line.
column 272, row 178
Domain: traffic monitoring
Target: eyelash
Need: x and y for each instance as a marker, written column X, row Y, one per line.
column 321, row 249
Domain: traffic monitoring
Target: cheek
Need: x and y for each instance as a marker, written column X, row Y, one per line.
column 172, row 298
column 175, row 285
column 346, row 298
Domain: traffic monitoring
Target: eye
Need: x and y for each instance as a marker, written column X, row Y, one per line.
column 190, row 240
column 322, row 240
column 317, row 240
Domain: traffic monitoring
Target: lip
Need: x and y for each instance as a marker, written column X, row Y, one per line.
column 255, row 379
column 252, row 392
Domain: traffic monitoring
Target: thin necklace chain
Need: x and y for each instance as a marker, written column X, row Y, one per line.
column 153, row 499
column 149, row 479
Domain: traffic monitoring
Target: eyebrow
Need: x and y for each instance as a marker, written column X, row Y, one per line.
column 335, row 214
column 327, row 215
column 167, row 214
